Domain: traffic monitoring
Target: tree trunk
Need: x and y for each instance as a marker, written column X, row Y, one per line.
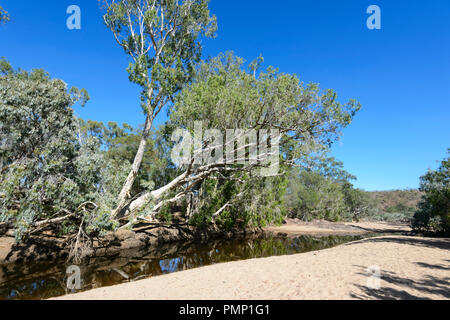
column 126, row 189
column 140, row 202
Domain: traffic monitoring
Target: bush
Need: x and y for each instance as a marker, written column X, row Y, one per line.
column 400, row 207
column 392, row 217
column 47, row 170
column 312, row 195
column 433, row 215
column 252, row 201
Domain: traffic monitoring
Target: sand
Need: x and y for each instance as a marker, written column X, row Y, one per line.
column 409, row 268
column 296, row 227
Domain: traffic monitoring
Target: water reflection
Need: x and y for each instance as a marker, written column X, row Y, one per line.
column 45, row 280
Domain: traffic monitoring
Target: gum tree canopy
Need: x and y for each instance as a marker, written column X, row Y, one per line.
column 162, row 39
column 226, row 95
column 48, row 174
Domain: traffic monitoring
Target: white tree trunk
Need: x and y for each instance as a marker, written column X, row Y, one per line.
column 126, row 189
column 140, row 202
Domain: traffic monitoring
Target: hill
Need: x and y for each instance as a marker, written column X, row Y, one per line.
column 397, row 200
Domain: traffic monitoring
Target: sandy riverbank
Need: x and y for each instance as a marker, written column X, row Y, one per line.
column 295, row 227
column 411, row 268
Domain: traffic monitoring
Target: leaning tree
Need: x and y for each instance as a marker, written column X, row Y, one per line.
column 226, row 96
column 162, row 39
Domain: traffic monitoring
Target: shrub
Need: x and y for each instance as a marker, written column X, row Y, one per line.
column 47, row 170
column 433, row 215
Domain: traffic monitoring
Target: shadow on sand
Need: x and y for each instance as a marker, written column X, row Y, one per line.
column 439, row 286
column 383, row 231
column 440, row 243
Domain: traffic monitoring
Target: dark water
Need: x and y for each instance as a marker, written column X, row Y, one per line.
column 45, row 280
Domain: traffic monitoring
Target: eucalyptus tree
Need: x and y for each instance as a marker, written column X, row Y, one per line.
column 162, row 39
column 49, row 174
column 225, row 95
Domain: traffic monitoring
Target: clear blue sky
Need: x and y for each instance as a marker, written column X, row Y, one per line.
column 400, row 74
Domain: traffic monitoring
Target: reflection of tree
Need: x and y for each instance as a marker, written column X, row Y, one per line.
column 40, row 289
column 40, row 281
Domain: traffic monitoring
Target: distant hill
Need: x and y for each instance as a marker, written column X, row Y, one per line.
column 397, row 200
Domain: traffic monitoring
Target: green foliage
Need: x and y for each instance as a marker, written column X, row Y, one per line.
column 392, row 216
column 53, row 164
column 400, row 207
column 307, row 196
column 162, row 38
column 245, row 201
column 119, row 145
column 47, row 170
column 393, row 205
column 227, row 95
column 359, row 204
column 165, row 214
column 434, row 209
column 402, row 201
column 312, row 195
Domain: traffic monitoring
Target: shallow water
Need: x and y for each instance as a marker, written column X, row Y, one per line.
column 45, row 280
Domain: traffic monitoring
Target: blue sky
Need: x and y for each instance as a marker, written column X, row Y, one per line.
column 400, row 74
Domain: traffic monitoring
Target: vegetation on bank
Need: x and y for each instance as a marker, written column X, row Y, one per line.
column 324, row 191
column 51, row 175
column 433, row 216
column 395, row 205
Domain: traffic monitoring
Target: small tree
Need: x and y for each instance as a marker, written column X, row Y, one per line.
column 49, row 174
column 313, row 196
column 434, row 209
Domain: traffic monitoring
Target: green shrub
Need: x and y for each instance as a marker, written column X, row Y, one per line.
column 47, row 169
column 433, row 215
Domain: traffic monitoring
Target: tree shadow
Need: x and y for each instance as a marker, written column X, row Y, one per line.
column 428, row 285
column 440, row 243
column 383, row 231
column 434, row 266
